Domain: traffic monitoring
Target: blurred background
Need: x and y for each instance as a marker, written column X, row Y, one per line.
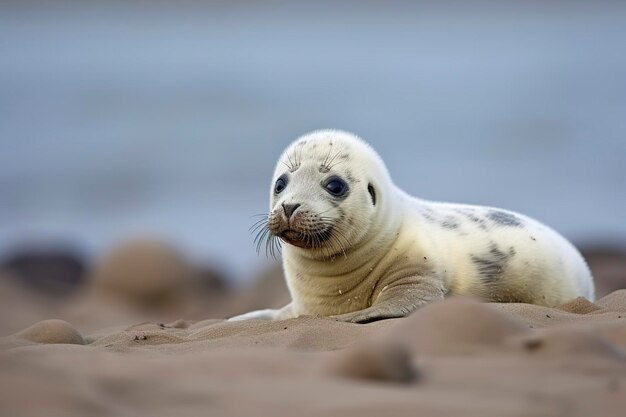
column 152, row 129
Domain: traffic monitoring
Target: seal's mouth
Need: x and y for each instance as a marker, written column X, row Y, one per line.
column 305, row 240
column 292, row 235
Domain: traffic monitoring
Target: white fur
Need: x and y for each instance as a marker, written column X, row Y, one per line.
column 457, row 249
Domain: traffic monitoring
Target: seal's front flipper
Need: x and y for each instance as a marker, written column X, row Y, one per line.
column 399, row 300
column 267, row 314
column 371, row 314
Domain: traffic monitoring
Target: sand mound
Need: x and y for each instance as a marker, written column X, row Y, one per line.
column 616, row 301
column 304, row 333
column 52, row 332
column 376, row 360
column 454, row 325
column 580, row 305
column 564, row 343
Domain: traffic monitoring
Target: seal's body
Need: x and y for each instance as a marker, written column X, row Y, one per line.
column 359, row 248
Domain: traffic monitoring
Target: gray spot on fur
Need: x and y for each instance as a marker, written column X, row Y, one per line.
column 351, row 178
column 491, row 265
column 473, row 217
column 428, row 213
column 450, row 222
column 504, row 219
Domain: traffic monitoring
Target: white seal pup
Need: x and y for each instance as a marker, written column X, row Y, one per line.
column 358, row 248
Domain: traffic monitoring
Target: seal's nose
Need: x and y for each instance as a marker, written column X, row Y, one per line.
column 289, row 209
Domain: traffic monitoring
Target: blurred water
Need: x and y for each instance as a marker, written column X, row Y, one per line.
column 125, row 118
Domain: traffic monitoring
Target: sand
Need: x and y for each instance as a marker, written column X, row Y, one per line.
column 453, row 357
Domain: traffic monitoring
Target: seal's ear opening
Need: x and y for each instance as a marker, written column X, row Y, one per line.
column 370, row 189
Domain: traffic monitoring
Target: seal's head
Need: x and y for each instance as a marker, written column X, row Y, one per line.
column 326, row 191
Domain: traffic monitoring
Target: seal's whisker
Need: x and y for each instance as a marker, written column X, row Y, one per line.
column 271, row 246
column 258, row 241
column 260, row 238
column 318, row 239
column 291, row 165
column 276, row 246
column 294, row 163
column 324, row 164
column 330, row 164
column 258, row 235
column 285, row 164
column 337, row 246
column 268, row 245
column 336, row 236
column 256, row 227
column 336, row 242
column 257, row 224
column 324, row 211
column 300, row 157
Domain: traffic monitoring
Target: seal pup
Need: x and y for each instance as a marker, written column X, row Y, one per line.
column 358, row 248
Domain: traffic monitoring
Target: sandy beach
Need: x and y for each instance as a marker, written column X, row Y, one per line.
column 453, row 357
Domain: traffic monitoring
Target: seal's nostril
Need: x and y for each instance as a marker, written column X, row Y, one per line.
column 290, row 208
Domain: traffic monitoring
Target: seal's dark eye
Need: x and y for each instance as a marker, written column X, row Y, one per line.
column 280, row 185
column 336, row 186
